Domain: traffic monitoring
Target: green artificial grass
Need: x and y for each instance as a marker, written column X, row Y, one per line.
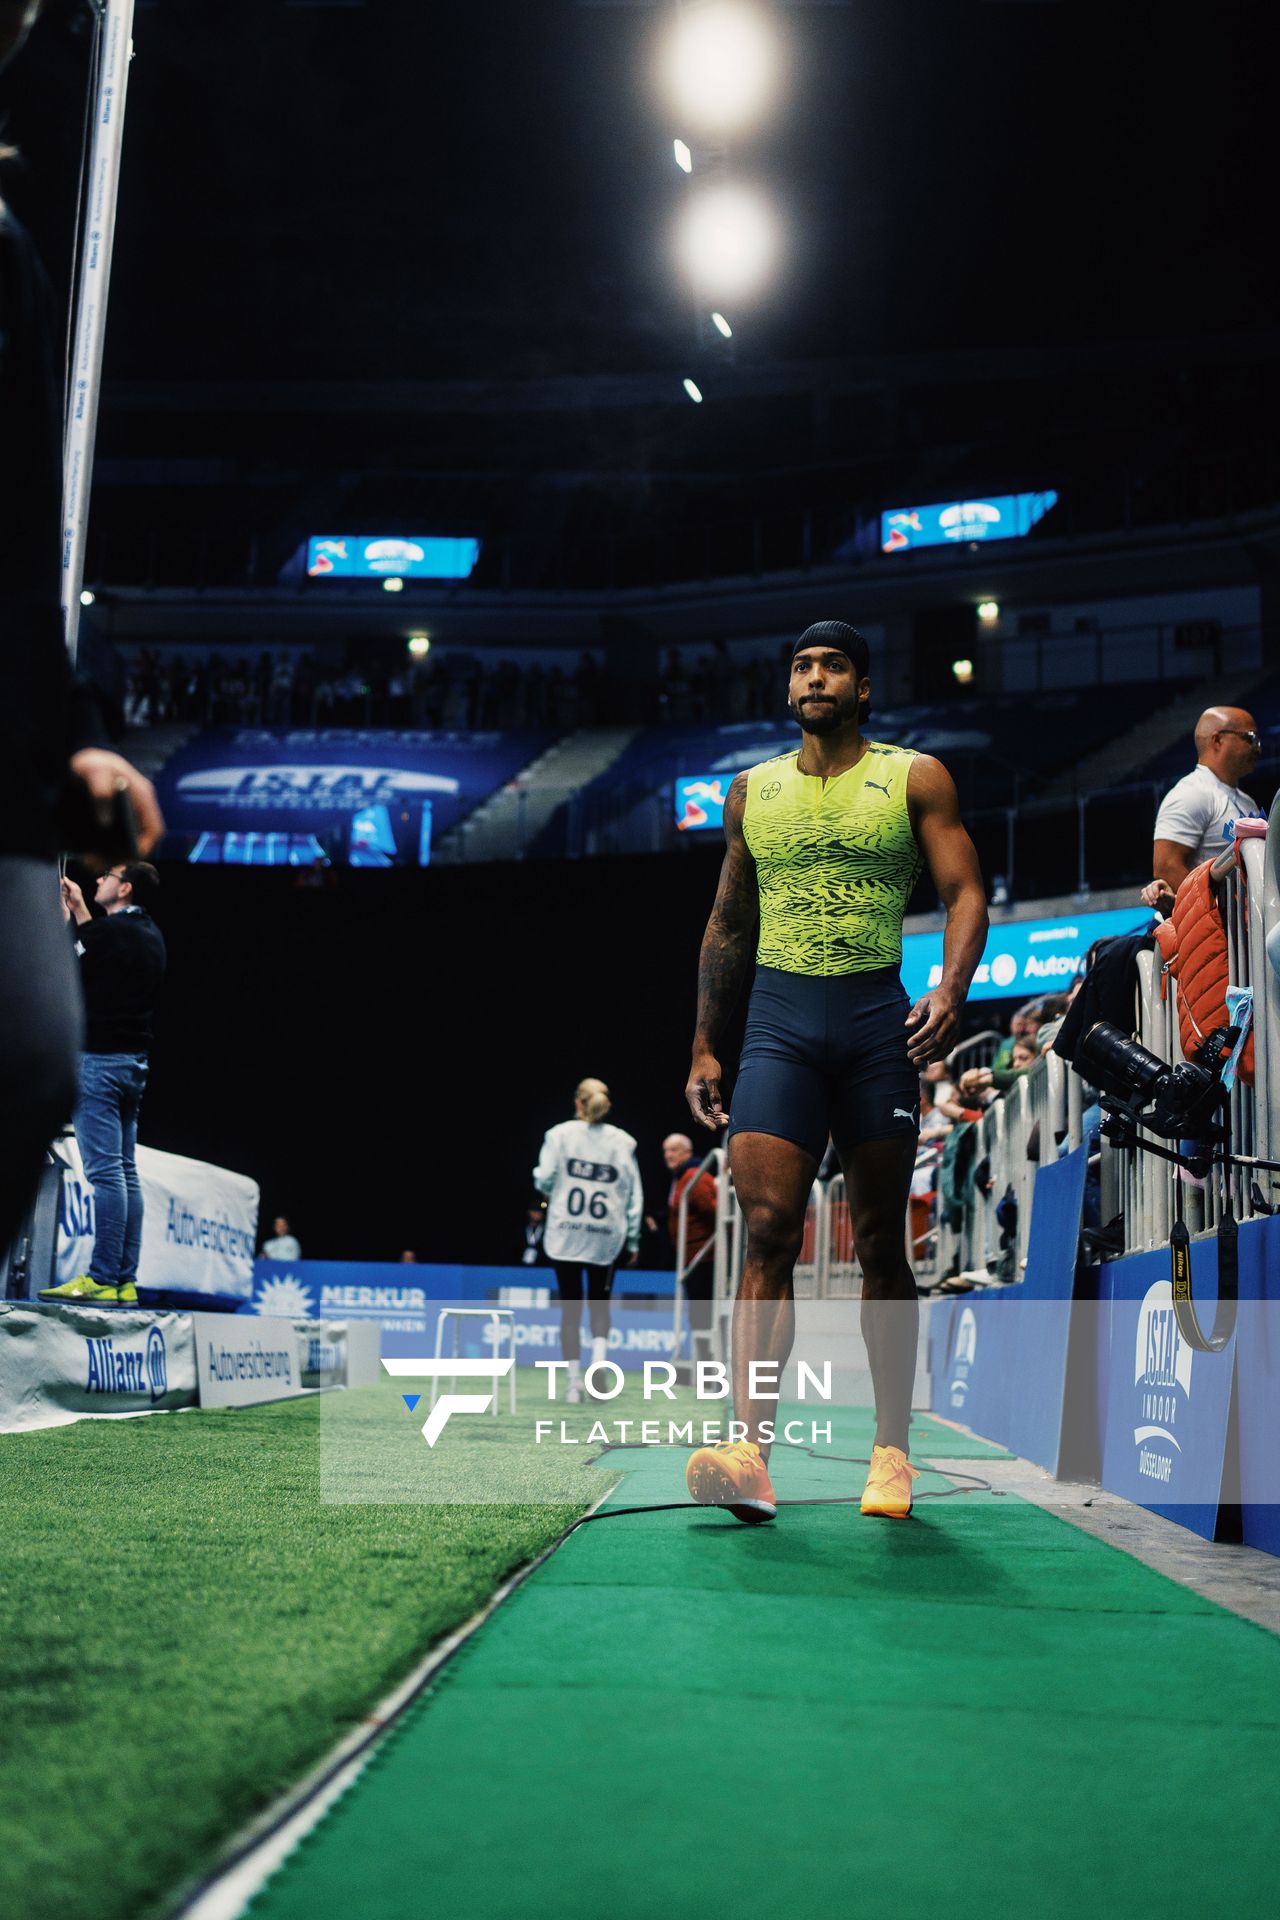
column 976, row 1712
column 195, row 1608
column 186, row 1625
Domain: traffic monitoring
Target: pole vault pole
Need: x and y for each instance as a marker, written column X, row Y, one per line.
column 91, row 301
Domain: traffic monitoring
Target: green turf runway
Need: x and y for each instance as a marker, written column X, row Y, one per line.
column 979, row 1711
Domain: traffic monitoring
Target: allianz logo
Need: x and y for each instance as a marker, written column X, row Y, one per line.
column 113, row 1367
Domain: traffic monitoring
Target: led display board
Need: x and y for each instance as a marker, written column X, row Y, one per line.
column 1005, row 516
column 700, row 801
column 1022, row 958
column 358, row 556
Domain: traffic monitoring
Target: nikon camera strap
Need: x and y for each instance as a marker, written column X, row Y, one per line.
column 1184, row 1305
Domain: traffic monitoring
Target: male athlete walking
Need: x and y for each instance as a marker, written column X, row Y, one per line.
column 824, row 846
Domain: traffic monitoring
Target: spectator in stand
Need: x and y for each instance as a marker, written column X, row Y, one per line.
column 1022, row 1025
column 1052, row 1012
column 282, row 1245
column 122, row 962
column 700, row 1224
column 937, row 1077
column 985, row 1084
column 1192, row 820
column 934, row 1124
column 941, row 1078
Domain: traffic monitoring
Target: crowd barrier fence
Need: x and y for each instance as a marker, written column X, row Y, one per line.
column 1042, row 1115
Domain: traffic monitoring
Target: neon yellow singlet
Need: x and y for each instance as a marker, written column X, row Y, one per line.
column 835, row 862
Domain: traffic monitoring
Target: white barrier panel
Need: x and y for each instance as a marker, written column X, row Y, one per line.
column 199, row 1223
column 57, row 1363
column 243, row 1360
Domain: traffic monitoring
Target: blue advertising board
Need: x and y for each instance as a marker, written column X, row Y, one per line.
column 1168, row 1406
column 1044, row 1319
column 355, row 556
column 405, row 1298
column 1021, row 957
column 360, row 797
column 998, row 1359
column 700, row 801
column 1258, row 1384
column 1003, row 516
column 636, row 1335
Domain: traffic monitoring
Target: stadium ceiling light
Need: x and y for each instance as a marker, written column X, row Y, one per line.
column 721, row 325
column 684, row 159
column 693, row 390
column 87, row 597
column 393, row 584
column 419, row 644
column 988, row 611
column 721, row 65
column 727, row 242
column 963, row 671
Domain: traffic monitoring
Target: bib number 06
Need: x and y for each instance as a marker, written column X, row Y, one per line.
column 576, row 1205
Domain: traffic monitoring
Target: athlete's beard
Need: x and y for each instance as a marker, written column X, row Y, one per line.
column 824, row 719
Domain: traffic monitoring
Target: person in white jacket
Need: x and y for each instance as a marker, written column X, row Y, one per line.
column 588, row 1173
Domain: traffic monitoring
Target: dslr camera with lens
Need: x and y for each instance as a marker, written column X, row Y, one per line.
column 1138, row 1089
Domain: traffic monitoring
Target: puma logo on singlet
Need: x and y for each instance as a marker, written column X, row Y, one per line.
column 900, row 1113
column 879, row 789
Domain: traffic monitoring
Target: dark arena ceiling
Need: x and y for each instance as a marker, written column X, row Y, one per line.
column 398, row 259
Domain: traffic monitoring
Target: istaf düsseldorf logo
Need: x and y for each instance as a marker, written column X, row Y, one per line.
column 963, row 1356
column 1162, row 1383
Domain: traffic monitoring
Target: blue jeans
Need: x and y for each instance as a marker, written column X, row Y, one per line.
column 111, row 1089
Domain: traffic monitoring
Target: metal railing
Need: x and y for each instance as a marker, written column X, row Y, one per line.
column 827, row 1266
column 1245, row 886
column 716, row 1160
column 1042, row 1113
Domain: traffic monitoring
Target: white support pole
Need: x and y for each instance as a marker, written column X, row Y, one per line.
column 91, row 303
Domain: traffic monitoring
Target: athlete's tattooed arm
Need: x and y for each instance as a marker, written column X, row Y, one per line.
column 727, row 950
column 952, row 861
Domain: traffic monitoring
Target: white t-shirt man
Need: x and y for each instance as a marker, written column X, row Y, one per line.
column 1195, row 812
column 588, row 1171
column 283, row 1247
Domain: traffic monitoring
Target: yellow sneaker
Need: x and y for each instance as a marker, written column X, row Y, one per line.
column 888, row 1488
column 82, row 1291
column 732, row 1474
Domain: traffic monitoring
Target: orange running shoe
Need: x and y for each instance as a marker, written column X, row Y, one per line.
column 732, row 1474
column 888, row 1488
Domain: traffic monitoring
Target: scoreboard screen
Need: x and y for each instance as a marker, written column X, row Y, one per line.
column 357, row 556
column 1005, row 516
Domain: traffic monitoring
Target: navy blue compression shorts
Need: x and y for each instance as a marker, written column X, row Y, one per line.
column 826, row 1055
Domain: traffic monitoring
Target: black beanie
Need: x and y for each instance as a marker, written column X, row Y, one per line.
column 841, row 636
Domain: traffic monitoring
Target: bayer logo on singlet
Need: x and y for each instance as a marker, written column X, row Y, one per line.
column 772, row 791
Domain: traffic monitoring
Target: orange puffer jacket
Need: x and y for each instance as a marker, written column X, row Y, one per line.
column 1193, row 946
